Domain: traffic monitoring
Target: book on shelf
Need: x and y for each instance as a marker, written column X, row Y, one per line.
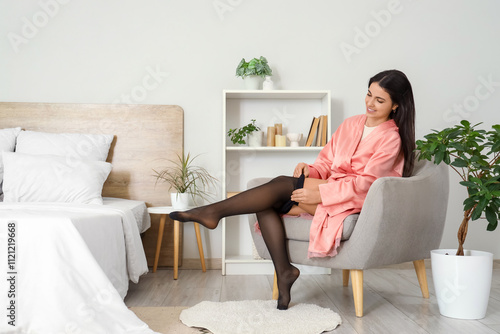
column 324, row 130
column 312, row 131
column 317, row 132
column 320, row 130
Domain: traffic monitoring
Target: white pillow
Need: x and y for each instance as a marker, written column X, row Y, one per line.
column 72, row 145
column 49, row 178
column 7, row 144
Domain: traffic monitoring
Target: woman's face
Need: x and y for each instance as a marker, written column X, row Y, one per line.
column 378, row 105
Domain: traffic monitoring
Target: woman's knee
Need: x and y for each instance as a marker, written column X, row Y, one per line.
column 284, row 183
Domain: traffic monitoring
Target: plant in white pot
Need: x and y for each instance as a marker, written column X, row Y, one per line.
column 250, row 131
column 187, row 179
column 462, row 279
column 253, row 71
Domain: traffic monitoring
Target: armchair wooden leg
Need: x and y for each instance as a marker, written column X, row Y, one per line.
column 345, row 277
column 357, row 291
column 422, row 277
column 276, row 293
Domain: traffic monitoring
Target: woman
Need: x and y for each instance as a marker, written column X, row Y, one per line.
column 364, row 147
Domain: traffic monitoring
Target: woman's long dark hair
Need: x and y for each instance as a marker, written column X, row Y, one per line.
column 398, row 86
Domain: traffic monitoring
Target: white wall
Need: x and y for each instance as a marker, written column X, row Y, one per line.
column 98, row 51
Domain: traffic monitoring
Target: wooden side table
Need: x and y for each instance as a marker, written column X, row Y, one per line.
column 164, row 211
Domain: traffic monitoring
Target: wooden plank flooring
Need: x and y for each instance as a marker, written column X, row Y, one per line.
column 392, row 299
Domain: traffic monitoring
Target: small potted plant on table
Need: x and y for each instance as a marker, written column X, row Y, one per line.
column 253, row 71
column 188, row 180
column 462, row 281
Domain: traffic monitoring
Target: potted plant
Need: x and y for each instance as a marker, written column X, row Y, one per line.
column 462, row 281
column 253, row 71
column 187, row 179
column 237, row 136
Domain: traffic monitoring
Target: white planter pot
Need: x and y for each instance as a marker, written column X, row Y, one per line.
column 180, row 201
column 255, row 139
column 462, row 283
column 252, row 82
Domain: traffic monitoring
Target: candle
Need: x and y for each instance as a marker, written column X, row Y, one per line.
column 271, row 131
column 279, row 128
column 280, row 140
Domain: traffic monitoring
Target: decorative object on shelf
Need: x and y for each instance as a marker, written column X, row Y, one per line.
column 252, row 82
column 255, row 139
column 189, row 181
column 280, row 140
column 271, row 133
column 268, row 83
column 475, row 155
column 237, row 136
column 253, row 71
column 279, row 128
column 294, row 139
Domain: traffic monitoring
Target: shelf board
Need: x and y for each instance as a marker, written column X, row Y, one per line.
column 275, row 94
column 274, row 148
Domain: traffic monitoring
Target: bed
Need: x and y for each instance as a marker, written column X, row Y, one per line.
column 75, row 239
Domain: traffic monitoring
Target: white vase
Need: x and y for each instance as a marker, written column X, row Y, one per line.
column 180, row 201
column 268, row 84
column 462, row 283
column 255, row 139
column 294, row 139
column 252, row 82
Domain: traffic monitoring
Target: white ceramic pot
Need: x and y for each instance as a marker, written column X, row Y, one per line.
column 255, row 139
column 252, row 82
column 294, row 139
column 180, row 201
column 268, row 84
column 462, row 283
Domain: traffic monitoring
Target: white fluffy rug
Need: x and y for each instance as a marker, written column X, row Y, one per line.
column 259, row 316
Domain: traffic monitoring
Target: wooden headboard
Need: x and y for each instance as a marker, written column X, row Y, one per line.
column 145, row 137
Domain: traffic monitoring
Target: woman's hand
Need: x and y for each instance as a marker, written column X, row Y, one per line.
column 302, row 168
column 306, row 196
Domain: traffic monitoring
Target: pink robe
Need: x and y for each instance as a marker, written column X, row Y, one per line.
column 350, row 166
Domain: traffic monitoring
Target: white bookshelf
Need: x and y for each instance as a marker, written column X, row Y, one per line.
column 295, row 110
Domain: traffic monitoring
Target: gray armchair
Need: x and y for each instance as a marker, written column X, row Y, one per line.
column 402, row 219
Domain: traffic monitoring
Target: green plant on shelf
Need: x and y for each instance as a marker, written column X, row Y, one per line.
column 253, row 67
column 237, row 136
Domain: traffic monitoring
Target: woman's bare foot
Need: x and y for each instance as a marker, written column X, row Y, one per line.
column 285, row 285
column 199, row 215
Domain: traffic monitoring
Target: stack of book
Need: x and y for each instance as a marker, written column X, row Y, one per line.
column 318, row 131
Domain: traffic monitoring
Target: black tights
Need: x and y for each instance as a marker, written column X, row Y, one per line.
column 267, row 202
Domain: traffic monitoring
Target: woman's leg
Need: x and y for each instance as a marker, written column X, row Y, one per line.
column 267, row 201
column 272, row 195
column 273, row 232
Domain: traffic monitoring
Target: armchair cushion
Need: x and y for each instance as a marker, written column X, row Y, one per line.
column 297, row 228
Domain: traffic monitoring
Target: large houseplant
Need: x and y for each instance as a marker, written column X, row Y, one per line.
column 474, row 154
column 187, row 179
column 253, row 71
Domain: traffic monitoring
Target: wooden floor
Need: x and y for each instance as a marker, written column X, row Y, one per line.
column 392, row 298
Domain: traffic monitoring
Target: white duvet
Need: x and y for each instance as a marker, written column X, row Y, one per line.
column 52, row 283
